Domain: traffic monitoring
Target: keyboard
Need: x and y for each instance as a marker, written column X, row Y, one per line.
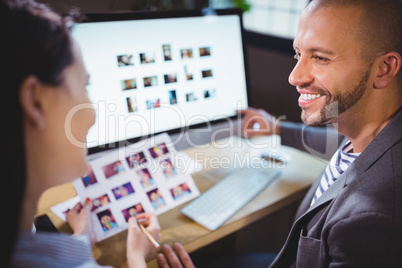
column 221, row 201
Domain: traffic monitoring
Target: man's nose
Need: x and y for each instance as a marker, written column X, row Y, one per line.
column 301, row 74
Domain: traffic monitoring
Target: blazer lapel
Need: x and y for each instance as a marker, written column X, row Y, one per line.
column 305, row 206
column 306, row 202
column 290, row 248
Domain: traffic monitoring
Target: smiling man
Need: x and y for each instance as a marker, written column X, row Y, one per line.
column 331, row 76
column 344, row 72
column 348, row 74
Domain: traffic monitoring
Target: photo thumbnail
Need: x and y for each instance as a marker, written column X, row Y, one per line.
column 155, row 103
column 156, row 199
column 167, row 168
column 132, row 105
column 172, row 97
column 146, row 179
column 132, row 211
column 128, row 84
column 206, row 73
column 89, row 178
column 186, row 53
column 150, row 81
column 191, row 97
column 100, row 201
column 107, row 220
column 125, row 60
column 136, row 159
column 167, row 52
column 123, row 190
column 170, row 78
column 158, row 150
column 205, row 51
column 180, row 191
column 113, row 169
column 147, row 58
column 209, row 93
column 188, row 73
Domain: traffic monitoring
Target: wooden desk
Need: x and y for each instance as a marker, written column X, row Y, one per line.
column 218, row 159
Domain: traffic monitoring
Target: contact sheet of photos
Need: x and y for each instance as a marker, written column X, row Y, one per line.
column 168, row 79
column 148, row 179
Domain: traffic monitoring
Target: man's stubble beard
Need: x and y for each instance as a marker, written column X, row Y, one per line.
column 339, row 103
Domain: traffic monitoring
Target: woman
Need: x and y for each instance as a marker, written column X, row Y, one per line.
column 43, row 79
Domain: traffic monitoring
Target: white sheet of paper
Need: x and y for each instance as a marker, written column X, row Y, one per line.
column 61, row 209
column 150, row 176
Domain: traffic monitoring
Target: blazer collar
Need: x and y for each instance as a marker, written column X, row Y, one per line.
column 388, row 137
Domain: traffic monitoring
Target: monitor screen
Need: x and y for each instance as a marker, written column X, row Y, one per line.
column 158, row 72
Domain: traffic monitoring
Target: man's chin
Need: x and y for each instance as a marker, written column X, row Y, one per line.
column 315, row 119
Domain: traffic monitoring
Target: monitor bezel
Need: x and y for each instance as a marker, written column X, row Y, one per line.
column 135, row 15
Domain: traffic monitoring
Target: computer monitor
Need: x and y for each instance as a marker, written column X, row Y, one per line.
column 160, row 72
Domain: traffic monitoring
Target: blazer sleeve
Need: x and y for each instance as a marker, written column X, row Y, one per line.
column 319, row 141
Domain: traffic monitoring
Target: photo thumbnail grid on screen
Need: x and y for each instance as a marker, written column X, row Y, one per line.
column 153, row 75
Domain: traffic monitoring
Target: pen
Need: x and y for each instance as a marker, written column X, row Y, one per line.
column 148, row 235
column 272, row 159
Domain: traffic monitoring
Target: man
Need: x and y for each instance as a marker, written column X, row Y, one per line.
column 348, row 74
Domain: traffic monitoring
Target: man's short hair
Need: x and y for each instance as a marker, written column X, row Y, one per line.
column 381, row 24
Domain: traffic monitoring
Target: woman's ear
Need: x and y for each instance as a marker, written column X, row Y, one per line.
column 31, row 99
column 388, row 67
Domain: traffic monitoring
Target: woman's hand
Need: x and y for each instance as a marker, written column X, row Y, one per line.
column 258, row 123
column 80, row 221
column 138, row 244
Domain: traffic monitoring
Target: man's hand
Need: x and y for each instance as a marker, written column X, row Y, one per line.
column 178, row 258
column 258, row 123
column 80, row 221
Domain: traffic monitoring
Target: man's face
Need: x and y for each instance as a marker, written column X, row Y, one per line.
column 330, row 74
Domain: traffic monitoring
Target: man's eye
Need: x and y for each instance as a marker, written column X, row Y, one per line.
column 297, row 56
column 320, row 59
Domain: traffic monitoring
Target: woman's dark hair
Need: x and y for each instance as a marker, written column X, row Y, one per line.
column 34, row 41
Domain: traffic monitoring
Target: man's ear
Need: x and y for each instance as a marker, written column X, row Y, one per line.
column 388, row 67
column 31, row 99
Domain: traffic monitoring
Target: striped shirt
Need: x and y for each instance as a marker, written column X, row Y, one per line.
column 336, row 167
column 48, row 249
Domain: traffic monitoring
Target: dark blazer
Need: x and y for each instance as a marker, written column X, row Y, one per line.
column 357, row 222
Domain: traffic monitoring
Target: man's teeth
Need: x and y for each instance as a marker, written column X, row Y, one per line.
column 309, row 96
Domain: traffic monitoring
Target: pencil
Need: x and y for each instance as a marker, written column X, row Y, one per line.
column 149, row 235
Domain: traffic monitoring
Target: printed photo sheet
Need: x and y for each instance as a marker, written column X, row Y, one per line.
column 150, row 176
